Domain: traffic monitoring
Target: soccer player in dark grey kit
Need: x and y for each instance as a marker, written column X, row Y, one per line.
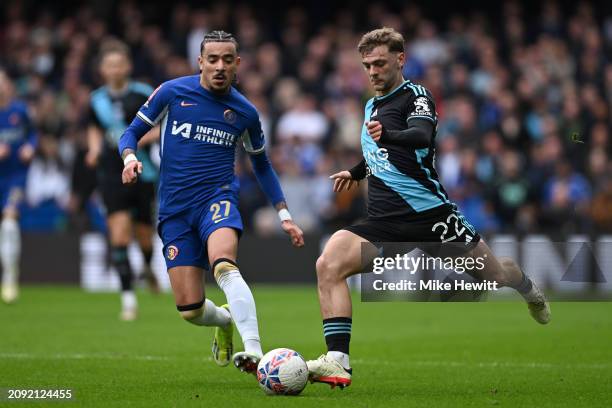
column 129, row 211
column 406, row 202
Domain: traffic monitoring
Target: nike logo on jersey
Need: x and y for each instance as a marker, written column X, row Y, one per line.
column 184, row 104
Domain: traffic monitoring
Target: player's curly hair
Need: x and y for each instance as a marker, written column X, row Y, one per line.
column 218, row 36
column 381, row 36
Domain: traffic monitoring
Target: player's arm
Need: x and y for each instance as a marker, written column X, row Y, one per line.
column 345, row 179
column 94, row 145
column 420, row 125
column 253, row 141
column 147, row 118
column 26, row 151
column 417, row 135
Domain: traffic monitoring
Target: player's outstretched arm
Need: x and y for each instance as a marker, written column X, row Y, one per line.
column 346, row 179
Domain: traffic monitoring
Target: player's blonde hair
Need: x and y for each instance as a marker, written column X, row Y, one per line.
column 381, row 36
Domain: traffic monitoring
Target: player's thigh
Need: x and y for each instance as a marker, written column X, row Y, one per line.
column 119, row 227
column 187, row 284
column 344, row 255
column 220, row 226
column 222, row 243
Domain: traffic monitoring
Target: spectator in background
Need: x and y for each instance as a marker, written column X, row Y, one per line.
column 505, row 81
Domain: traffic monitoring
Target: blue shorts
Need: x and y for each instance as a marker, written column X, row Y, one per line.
column 12, row 189
column 185, row 234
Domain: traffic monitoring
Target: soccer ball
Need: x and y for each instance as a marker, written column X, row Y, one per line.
column 282, row 371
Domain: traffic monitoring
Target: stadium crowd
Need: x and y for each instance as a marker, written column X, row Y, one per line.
column 524, row 102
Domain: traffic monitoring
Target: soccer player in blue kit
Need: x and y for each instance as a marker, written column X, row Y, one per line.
column 17, row 145
column 202, row 118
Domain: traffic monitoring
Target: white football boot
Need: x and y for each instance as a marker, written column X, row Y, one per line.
column 327, row 370
column 538, row 306
column 246, row 362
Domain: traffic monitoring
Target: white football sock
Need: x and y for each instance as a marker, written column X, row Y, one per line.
column 128, row 300
column 212, row 315
column 242, row 308
column 10, row 250
column 340, row 357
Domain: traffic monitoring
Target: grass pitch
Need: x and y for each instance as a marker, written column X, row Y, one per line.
column 403, row 354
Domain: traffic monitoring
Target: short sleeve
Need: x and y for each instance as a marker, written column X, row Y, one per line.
column 422, row 107
column 156, row 105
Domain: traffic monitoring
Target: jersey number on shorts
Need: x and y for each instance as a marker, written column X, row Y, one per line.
column 459, row 229
column 216, row 210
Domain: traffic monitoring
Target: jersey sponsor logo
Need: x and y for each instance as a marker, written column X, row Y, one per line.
column 204, row 134
column 378, row 161
column 375, row 113
column 185, row 104
column 152, row 95
column 421, row 107
column 229, row 116
column 184, row 129
column 172, row 252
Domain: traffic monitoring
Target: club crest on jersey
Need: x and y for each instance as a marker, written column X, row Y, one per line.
column 229, row 116
column 172, row 252
column 421, row 106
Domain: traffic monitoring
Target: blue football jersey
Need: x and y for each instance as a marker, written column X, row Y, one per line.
column 198, row 137
column 16, row 129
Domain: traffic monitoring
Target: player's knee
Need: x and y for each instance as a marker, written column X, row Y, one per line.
column 222, row 267
column 192, row 311
column 328, row 269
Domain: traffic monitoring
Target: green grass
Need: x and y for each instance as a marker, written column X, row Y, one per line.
column 403, row 354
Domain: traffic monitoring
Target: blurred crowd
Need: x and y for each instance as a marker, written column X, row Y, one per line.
column 524, row 102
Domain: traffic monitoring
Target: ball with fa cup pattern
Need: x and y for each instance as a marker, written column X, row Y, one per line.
column 282, row 371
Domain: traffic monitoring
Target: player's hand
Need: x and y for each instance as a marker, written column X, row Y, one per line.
column 131, row 172
column 374, row 129
column 295, row 232
column 26, row 153
column 91, row 158
column 343, row 180
column 5, row 150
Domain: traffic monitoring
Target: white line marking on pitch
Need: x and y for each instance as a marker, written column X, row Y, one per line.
column 91, row 356
column 492, row 364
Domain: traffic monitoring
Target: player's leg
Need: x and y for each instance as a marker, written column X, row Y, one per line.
column 191, row 303
column 10, row 244
column 185, row 259
column 341, row 258
column 222, row 246
column 503, row 270
column 506, row 272
column 144, row 201
column 144, row 236
column 120, row 234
